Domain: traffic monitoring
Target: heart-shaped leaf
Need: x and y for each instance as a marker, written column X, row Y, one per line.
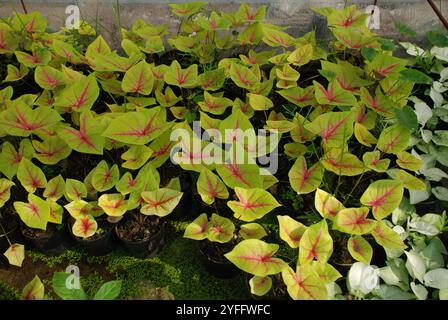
column 335, row 95
column 136, row 157
column 105, row 178
column 342, row 163
column 15, row 254
column 160, row 202
column 55, row 188
column 220, row 229
column 30, row 176
column 253, row 204
column 354, row 221
column 384, row 196
column 85, row 227
column 372, row 161
column 259, row 286
column 304, row 284
column 393, row 139
column 214, row 105
column 5, row 190
column 75, row 190
column 304, row 180
column 79, row 96
column 252, row 231
column 334, row 128
column 197, row 230
column 51, row 150
column 326, row 204
column 184, row 78
column 291, row 231
column 114, row 205
column 301, row 97
column 360, row 249
column 316, row 243
column 35, row 213
column 409, row 161
column 34, row 290
column 387, row 237
column 243, row 76
column 210, row 186
column 49, row 78
column 138, row 79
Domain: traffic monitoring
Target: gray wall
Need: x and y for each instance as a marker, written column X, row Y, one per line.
column 296, row 13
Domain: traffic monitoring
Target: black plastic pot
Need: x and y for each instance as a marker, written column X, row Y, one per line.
column 51, row 242
column 219, row 269
column 145, row 248
column 185, row 208
column 99, row 246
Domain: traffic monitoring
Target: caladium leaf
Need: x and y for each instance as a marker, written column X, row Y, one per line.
column 335, row 95
column 253, row 204
column 384, row 196
column 20, row 120
column 38, row 57
column 210, row 186
column 85, row 227
column 299, row 133
column 326, row 204
column 248, row 14
column 15, row 74
column 334, row 128
column 326, row 272
column 114, row 204
column 35, row 213
column 259, row 102
column 136, row 157
column 342, row 163
column 372, row 161
column 112, row 62
column 8, row 43
column 34, row 290
column 409, row 181
column 187, row 9
column 56, row 212
column 197, row 230
column 409, row 161
column 387, row 237
column 384, row 65
column 243, row 77
column 214, row 105
column 364, row 136
column 354, row 221
column 304, row 180
column 291, row 231
column 259, row 286
column 304, row 284
column 29, row 22
column 381, row 104
column 393, row 139
column 55, row 188
column 240, row 175
column 79, row 96
column 88, row 138
column 5, row 190
column 251, row 35
column 15, row 254
column 168, row 98
column 184, row 78
column 212, row 80
column 161, row 148
column 51, row 150
column 139, row 127
column 287, row 73
column 105, row 178
column 302, row 55
column 160, row 202
column 301, row 97
column 67, row 51
column 256, row 257
column 128, row 184
column 74, row 190
column 220, row 229
column 49, row 78
column 79, row 209
column 138, row 79
column 274, row 37
column 316, row 243
column 30, row 176
column 360, row 249
column 252, row 231
column 352, row 38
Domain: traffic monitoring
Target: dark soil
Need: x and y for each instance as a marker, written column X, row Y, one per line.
column 214, row 251
column 41, row 234
column 137, row 227
column 341, row 255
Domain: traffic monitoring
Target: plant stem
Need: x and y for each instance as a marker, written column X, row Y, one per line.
column 6, row 235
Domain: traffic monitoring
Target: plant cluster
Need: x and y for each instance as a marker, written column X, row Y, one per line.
column 355, row 130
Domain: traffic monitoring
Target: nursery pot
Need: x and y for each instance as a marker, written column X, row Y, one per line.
column 50, row 241
column 98, row 245
column 147, row 247
column 223, row 269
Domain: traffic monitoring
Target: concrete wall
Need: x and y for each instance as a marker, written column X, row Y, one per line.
column 295, row 14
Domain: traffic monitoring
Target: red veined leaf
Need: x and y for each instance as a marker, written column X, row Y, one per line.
column 335, row 95
column 30, row 176
column 112, row 62
column 299, row 133
column 363, row 135
column 360, row 249
column 138, row 79
column 252, row 231
column 409, row 181
column 48, row 77
column 253, row 204
column 212, row 80
column 21, row 120
column 34, row 290
column 128, row 184
column 88, row 138
column 197, row 230
column 373, row 161
column 138, row 127
column 168, row 98
column 316, row 243
column 39, row 57
column 240, row 175
column 85, row 227
column 160, row 202
column 29, row 22
column 80, row 96
column 187, row 9
column 291, row 231
column 56, row 212
column 301, row 97
column 384, row 196
column 348, row 76
column 34, row 213
column 287, row 73
column 408, row 161
column 385, row 65
column 15, row 74
column 214, row 105
column 74, row 190
column 161, row 149
column 302, row 55
column 259, row 102
column 342, row 163
column 243, row 76
column 220, row 229
column 353, row 39
column 248, row 14
column 274, row 37
column 334, row 128
column 66, row 50
column 259, row 286
column 5, row 190
column 304, row 284
column 105, row 178
column 326, row 204
column 394, row 139
column 136, row 157
column 114, row 205
column 256, row 257
column 251, row 35
column 55, row 188
column 15, row 254
column 184, row 78
column 8, row 42
column 51, row 150
column 380, row 103
column 304, row 180
column 354, row 221
column 346, row 17
column 387, row 237
column 210, row 186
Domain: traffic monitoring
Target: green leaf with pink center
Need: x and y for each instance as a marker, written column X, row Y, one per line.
column 136, row 157
column 15, row 254
column 105, row 178
column 15, row 74
column 334, row 128
column 212, row 80
column 243, row 77
column 74, row 190
column 34, row 213
column 80, row 96
column 291, row 231
column 354, row 221
column 387, row 237
column 256, row 257
column 56, row 212
column 394, row 139
column 114, row 204
column 326, row 204
column 210, row 187
column 30, row 176
column 315, row 244
column 304, row 283
column 259, row 286
column 253, row 204
column 55, row 188
column 326, row 272
column 360, row 249
column 183, row 78
column 85, row 227
column 334, row 95
column 49, row 78
column 128, row 184
column 408, row 161
column 214, row 104
column 384, row 196
column 252, row 231
column 373, row 161
column 304, row 180
column 138, row 79
column 197, row 230
column 34, row 290
column 301, row 97
column 220, row 229
column 5, row 190
column 52, row 150
column 160, row 202
column 342, row 163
